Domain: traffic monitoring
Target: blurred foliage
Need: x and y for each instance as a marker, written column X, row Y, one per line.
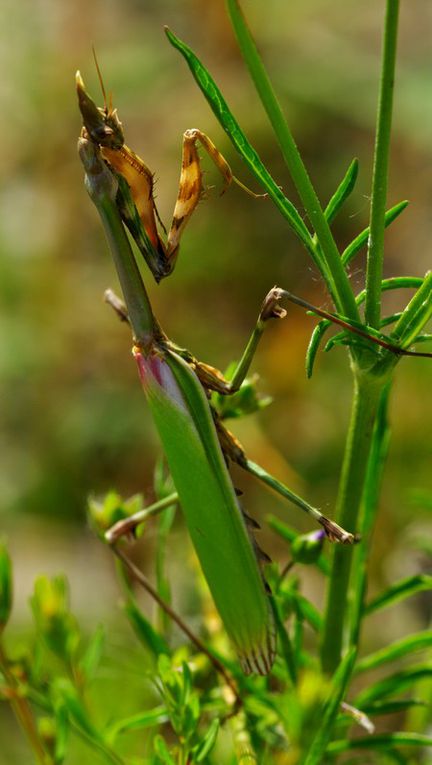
column 70, row 395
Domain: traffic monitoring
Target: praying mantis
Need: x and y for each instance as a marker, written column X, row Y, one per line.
column 196, row 443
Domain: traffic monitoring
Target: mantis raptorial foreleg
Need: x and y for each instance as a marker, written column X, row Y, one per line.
column 135, row 197
column 191, row 185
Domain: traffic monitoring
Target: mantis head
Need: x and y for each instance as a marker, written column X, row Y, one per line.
column 102, row 126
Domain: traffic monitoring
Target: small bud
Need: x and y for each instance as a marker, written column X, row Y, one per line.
column 270, row 308
column 5, row 586
column 307, row 547
column 47, row 732
column 245, row 401
column 112, row 508
column 56, row 623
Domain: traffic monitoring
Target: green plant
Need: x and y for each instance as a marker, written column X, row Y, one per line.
column 299, row 713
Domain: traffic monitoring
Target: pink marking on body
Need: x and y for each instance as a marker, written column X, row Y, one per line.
column 148, row 367
column 155, row 371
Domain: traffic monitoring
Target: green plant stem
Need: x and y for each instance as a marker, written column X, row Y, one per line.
column 23, row 713
column 374, row 474
column 367, row 391
column 375, row 254
column 335, row 276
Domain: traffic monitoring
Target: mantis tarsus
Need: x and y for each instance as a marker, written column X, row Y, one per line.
column 196, row 443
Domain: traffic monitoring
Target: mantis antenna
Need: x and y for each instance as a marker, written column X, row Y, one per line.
column 101, row 82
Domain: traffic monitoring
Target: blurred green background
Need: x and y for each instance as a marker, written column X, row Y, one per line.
column 73, row 417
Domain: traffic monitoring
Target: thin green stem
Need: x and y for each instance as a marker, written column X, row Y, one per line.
column 367, row 392
column 174, row 616
column 335, row 274
column 375, row 254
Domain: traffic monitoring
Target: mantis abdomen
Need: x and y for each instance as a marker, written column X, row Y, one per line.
column 214, row 518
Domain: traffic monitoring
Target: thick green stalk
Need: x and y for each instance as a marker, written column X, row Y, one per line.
column 375, row 254
column 374, row 474
column 367, row 393
column 336, row 277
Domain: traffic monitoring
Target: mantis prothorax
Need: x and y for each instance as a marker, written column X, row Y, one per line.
column 197, row 446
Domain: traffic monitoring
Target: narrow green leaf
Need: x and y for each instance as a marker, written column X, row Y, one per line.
column 380, row 741
column 361, row 240
column 426, row 338
column 89, row 662
column 156, row 716
column 395, row 757
column 393, row 684
column 400, row 591
column 395, row 706
column 208, row 741
column 281, row 528
column 339, row 684
column 342, row 192
column 407, row 645
column 236, row 135
column 186, row 690
column 327, row 255
column 416, row 314
column 301, row 658
column 164, row 486
column 78, row 715
column 144, row 630
column 386, row 320
column 162, row 751
column 396, row 282
column 314, row 343
column 62, row 733
column 5, row 585
column 344, row 338
column 75, row 708
column 287, row 650
column 308, row 611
